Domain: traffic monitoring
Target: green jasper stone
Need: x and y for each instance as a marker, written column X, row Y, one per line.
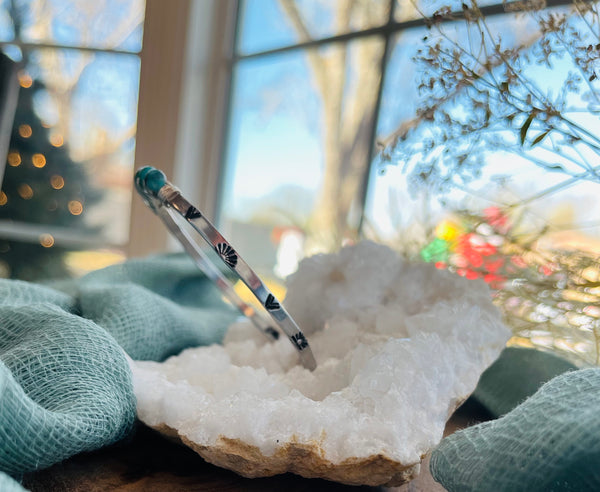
column 154, row 181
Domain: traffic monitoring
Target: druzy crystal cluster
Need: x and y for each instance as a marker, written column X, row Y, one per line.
column 398, row 345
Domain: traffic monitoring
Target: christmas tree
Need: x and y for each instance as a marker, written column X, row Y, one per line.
column 41, row 185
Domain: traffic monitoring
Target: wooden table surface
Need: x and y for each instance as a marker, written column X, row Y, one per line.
column 148, row 462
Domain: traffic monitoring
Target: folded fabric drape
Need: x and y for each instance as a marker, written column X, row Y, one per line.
column 65, row 384
column 546, row 439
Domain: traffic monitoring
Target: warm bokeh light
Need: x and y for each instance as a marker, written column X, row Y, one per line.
column 57, row 140
column 82, row 262
column 57, row 182
column 46, row 240
column 274, row 285
column 39, row 160
column 25, row 191
column 447, row 230
column 25, row 80
column 75, row 207
column 25, row 131
column 14, row 159
column 248, row 311
column 3, row 198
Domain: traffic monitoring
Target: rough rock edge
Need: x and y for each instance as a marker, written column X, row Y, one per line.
column 299, row 458
column 303, row 459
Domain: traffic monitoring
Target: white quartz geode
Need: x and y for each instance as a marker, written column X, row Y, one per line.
column 398, row 345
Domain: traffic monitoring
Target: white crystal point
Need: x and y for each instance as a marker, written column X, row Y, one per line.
column 398, row 345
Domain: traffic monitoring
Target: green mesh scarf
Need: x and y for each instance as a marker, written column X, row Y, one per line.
column 65, row 384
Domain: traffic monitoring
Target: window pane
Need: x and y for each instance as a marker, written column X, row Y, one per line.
column 108, row 24
column 70, row 158
column 268, row 24
column 503, row 199
column 389, row 210
column 298, row 145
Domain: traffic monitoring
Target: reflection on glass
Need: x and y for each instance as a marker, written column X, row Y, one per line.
column 297, row 152
column 269, row 24
column 71, row 153
column 110, row 24
column 523, row 214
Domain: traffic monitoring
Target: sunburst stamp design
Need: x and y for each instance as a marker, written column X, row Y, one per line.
column 193, row 213
column 299, row 340
column 227, row 253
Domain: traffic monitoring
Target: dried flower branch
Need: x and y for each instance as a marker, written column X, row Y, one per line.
column 482, row 92
column 528, row 86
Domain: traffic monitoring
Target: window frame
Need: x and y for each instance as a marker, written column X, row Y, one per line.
column 181, row 121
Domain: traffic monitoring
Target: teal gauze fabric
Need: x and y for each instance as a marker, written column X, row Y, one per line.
column 549, row 441
column 515, row 376
column 65, row 384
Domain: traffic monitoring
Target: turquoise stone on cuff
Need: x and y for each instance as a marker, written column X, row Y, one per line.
column 154, row 181
column 140, row 176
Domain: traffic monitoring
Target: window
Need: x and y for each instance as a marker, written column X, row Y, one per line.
column 307, row 77
column 318, row 86
column 67, row 182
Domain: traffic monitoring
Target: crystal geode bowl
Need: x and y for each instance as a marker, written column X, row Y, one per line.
column 398, row 345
